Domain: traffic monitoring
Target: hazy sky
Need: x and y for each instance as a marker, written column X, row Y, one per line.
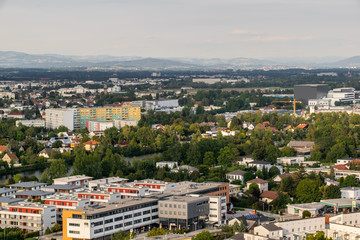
column 182, row 28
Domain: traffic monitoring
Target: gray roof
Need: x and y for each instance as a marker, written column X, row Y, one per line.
column 271, row 227
column 239, row 236
column 27, row 184
column 10, row 200
column 33, row 193
column 259, row 162
column 62, row 186
column 306, row 144
column 6, row 190
column 236, row 172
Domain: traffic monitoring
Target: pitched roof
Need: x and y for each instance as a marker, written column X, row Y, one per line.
column 284, row 175
column 16, row 113
column 3, row 148
column 236, row 172
column 259, row 162
column 271, row 227
column 269, row 194
column 340, row 167
column 92, row 142
column 257, row 180
column 301, row 144
column 301, row 126
column 12, row 156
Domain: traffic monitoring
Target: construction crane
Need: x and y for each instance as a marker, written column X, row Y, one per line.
column 290, row 101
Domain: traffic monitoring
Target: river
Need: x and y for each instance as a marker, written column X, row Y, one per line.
column 38, row 173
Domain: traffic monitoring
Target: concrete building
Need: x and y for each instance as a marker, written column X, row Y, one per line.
column 100, row 183
column 304, row 92
column 169, row 164
column 7, row 95
column 7, row 192
column 314, row 208
column 236, row 175
column 98, row 126
column 290, row 160
column 155, row 185
column 298, row 229
column 161, row 104
column 344, row 160
column 350, row 192
column 122, row 123
column 56, row 117
column 206, row 80
column 78, row 180
column 103, row 220
column 184, row 212
column 31, row 123
column 27, row 186
column 269, row 230
column 99, row 196
column 28, row 217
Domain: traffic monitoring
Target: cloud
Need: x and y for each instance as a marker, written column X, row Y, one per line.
column 265, row 38
column 244, row 32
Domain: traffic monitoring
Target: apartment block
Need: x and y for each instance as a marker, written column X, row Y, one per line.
column 98, row 126
column 155, row 185
column 77, row 180
column 56, row 117
column 102, row 220
column 99, row 196
column 29, row 217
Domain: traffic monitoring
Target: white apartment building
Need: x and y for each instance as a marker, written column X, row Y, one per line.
column 290, row 160
column 217, row 209
column 99, row 196
column 56, row 117
column 77, row 180
column 122, row 123
column 27, row 216
column 8, row 95
column 350, row 192
column 31, row 123
column 344, row 160
column 297, row 229
column 169, row 164
column 103, row 220
column 98, row 126
column 100, row 183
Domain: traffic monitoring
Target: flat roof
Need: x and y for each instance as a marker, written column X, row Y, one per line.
column 314, row 205
column 72, row 178
column 350, row 188
column 108, row 180
column 6, row 190
column 33, row 193
column 186, row 199
column 62, row 186
column 183, row 188
column 10, row 200
column 340, row 202
column 105, row 207
column 27, row 184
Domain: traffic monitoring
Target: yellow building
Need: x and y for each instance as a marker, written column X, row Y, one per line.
column 108, row 114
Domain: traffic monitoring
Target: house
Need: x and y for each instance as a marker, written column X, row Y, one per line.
column 280, row 177
column 45, row 153
column 169, row 164
column 268, row 196
column 234, row 190
column 27, row 186
column 302, row 126
column 245, row 160
column 329, row 182
column 91, row 145
column 301, row 147
column 250, row 221
column 190, row 169
column 290, row 160
column 350, row 192
column 260, row 165
column 10, row 158
column 249, row 126
column 344, row 160
column 236, row 175
column 269, row 230
column 2, row 148
column 16, row 115
column 263, row 184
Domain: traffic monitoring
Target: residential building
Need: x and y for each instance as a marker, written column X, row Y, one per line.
column 28, row 186
column 7, row 192
column 11, row 158
column 28, row 217
column 161, row 104
column 61, row 188
column 260, row 165
column 290, row 160
column 122, row 123
column 105, row 219
column 56, row 117
column 188, row 168
column 6, row 201
column 235, row 190
column 128, row 190
column 298, row 229
column 98, row 126
column 263, row 184
column 217, row 210
column 16, row 115
column 268, row 196
column 2, row 148
column 236, row 175
column 46, row 152
column 155, row 185
column 269, row 230
column 79, row 180
column 91, row 145
column 350, row 192
column 344, row 160
column 169, row 164
column 301, row 147
column 31, row 123
column 280, row 177
column 100, row 183
column 7, row 95
column 108, row 114
column 32, row 194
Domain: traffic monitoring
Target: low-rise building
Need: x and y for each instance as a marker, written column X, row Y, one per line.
column 99, row 184
column 280, row 177
column 32, row 194
column 28, row 217
column 29, row 186
column 236, row 175
column 31, row 123
column 11, row 158
column 7, row 192
column 290, row 160
column 169, row 164
column 188, row 168
column 99, row 196
column 298, row 229
column 314, row 208
column 79, row 180
column 155, row 185
column 344, row 160
column 263, row 184
column 269, row 230
column 259, row 165
column 91, row 145
column 61, row 188
column 350, row 192
column 98, row 126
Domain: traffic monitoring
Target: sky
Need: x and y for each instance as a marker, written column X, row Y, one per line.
column 182, row 28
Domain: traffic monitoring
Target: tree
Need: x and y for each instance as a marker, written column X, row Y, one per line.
column 47, row 231
column 17, row 178
column 254, row 190
column 44, row 177
column 274, row 171
column 61, row 129
column 58, row 168
column 281, row 200
column 349, row 181
column 320, row 235
column 288, row 152
column 56, row 228
column 123, row 236
column 288, row 185
column 204, row 235
column 225, row 157
column 57, row 144
column 332, row 192
column 239, row 227
column 209, row 159
column 271, row 153
column 308, row 191
column 248, row 176
column 157, row 232
column 306, row 214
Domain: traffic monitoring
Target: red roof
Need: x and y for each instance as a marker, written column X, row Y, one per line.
column 301, row 126
column 340, row 167
column 13, row 156
column 284, row 175
column 92, row 142
column 16, row 113
column 258, row 180
column 3, row 148
column 269, row 194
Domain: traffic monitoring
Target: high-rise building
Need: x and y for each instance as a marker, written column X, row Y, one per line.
column 56, row 117
column 304, row 92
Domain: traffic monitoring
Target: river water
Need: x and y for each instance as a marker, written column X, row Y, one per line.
column 38, row 173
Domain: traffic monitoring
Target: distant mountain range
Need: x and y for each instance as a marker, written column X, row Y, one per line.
column 10, row 59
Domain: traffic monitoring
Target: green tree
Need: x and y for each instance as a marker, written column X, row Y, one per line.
column 274, row 171
column 239, row 227
column 58, row 168
column 288, row 152
column 123, row 236
column 332, row 192
column 320, row 235
column 288, row 185
column 57, row 144
column 248, row 176
column 204, row 235
column 308, row 191
column 209, row 159
column 157, row 232
column 306, row 214
column 56, row 228
column 281, row 200
column 225, row 157
column 349, row 181
column 44, row 177
column 47, row 231
column 17, row 178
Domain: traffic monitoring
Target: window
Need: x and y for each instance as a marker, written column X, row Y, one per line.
column 98, row 230
column 74, row 224
column 137, row 214
column 74, row 232
column 109, row 228
column 109, row 221
column 146, row 212
column 137, row 221
column 128, row 216
column 118, row 219
column 146, row 219
column 127, row 224
column 118, row 226
column 97, row 223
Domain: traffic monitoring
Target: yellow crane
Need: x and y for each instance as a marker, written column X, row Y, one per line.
column 294, row 102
